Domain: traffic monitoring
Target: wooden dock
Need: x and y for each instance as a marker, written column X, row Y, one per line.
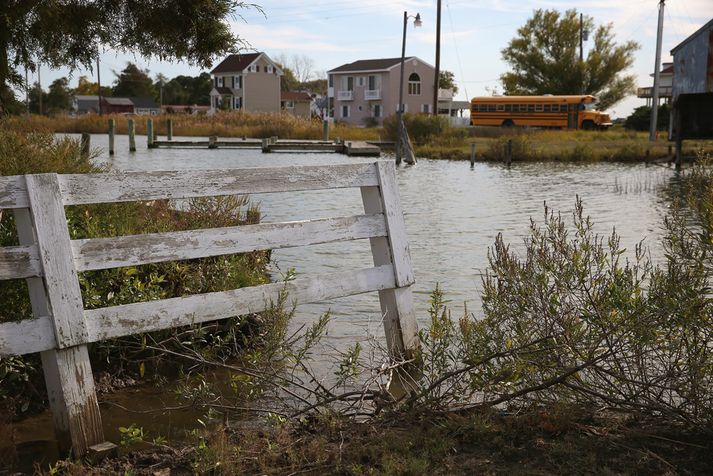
column 269, row 145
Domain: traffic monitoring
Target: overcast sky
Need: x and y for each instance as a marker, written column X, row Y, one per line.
column 472, row 35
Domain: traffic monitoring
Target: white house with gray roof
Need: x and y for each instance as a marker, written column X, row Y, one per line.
column 366, row 91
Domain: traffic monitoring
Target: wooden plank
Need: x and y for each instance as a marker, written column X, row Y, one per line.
column 395, row 224
column 26, row 337
column 135, row 250
column 75, row 410
column 18, row 262
column 134, row 186
column 117, row 321
column 399, row 318
column 55, row 249
column 13, row 192
column 73, row 399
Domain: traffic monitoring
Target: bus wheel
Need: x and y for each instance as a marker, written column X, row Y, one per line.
column 508, row 123
column 588, row 125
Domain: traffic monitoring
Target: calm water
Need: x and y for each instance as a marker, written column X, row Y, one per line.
column 453, row 214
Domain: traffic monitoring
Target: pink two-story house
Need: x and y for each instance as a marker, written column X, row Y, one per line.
column 366, row 91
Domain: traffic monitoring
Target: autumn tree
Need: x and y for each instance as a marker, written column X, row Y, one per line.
column 73, row 33
column 85, row 87
column 544, row 59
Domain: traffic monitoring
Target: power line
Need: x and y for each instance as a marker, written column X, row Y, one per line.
column 455, row 45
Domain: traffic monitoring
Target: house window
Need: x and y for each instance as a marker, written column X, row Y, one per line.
column 345, row 111
column 237, row 102
column 348, row 83
column 373, row 82
column 360, row 81
column 331, row 80
column 270, row 69
column 425, row 108
column 404, row 106
column 238, row 81
column 414, row 85
column 377, row 110
column 252, row 68
column 220, row 81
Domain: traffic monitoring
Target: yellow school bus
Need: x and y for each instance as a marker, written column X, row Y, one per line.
column 562, row 112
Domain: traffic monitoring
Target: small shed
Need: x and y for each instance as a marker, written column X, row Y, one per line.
column 693, row 85
column 82, row 104
column 145, row 106
column 117, row 106
column 296, row 103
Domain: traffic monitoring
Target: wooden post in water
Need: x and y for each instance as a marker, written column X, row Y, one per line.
column 86, row 144
column 132, row 136
column 679, row 136
column 325, row 130
column 508, row 152
column 670, row 150
column 112, row 131
column 169, row 132
column 472, row 155
column 149, row 133
column 265, row 145
column 212, row 142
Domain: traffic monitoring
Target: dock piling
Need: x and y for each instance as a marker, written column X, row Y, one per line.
column 169, row 131
column 149, row 133
column 508, row 152
column 132, row 136
column 112, row 131
column 265, row 145
column 325, row 130
column 86, row 143
column 472, row 155
column 212, row 142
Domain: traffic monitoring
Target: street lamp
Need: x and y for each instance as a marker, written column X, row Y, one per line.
column 400, row 110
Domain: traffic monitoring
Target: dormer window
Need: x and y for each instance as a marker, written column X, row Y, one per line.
column 252, row 68
column 270, row 69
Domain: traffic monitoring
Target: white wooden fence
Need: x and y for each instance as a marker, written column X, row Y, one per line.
column 49, row 260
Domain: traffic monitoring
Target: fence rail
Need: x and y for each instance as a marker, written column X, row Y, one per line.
column 50, row 262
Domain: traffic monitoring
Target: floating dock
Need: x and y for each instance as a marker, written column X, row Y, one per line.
column 272, row 144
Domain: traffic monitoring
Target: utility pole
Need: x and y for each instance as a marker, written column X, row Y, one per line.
column 99, row 87
column 27, row 91
column 581, row 52
column 438, row 58
column 657, row 67
column 39, row 84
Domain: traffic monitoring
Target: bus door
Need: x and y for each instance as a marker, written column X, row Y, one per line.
column 572, row 116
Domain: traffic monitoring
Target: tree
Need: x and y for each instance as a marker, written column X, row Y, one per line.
column 132, row 82
column 36, row 92
column 87, row 88
column 73, row 32
column 302, row 66
column 288, row 80
column 544, row 58
column 59, row 97
column 447, row 80
column 188, row 90
column 640, row 119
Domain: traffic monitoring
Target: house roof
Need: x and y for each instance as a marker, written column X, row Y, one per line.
column 380, row 64
column 235, row 63
column 118, row 101
column 698, row 32
column 295, row 96
column 222, row 90
column 144, row 102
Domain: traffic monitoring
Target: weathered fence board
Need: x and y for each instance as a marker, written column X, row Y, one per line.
column 50, row 262
column 133, row 186
column 102, row 253
column 127, row 319
column 18, row 262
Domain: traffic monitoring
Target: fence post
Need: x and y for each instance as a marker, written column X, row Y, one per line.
column 112, row 131
column 325, row 130
column 397, row 310
column 85, row 145
column 132, row 136
column 169, row 132
column 472, row 155
column 149, row 133
column 68, row 373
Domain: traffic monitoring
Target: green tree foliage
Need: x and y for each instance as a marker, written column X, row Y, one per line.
column 188, row 90
column 59, row 97
column 640, row 119
column 288, row 80
column 133, row 82
column 544, row 59
column 73, row 32
column 447, row 80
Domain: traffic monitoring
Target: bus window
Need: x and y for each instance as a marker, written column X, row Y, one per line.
column 501, row 107
column 508, row 108
column 538, row 107
column 482, row 108
column 523, row 107
column 491, row 107
column 547, row 108
column 530, row 108
column 563, row 108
